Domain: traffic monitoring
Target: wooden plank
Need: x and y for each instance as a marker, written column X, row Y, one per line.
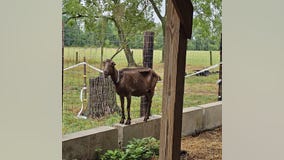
column 220, row 73
column 62, row 72
column 174, row 70
column 185, row 11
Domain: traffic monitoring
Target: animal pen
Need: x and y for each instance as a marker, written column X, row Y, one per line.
column 77, row 72
column 82, row 72
column 82, row 79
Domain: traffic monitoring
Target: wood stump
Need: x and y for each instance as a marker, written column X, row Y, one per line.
column 102, row 97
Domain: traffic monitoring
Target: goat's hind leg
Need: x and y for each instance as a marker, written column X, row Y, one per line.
column 128, row 121
column 122, row 110
column 148, row 108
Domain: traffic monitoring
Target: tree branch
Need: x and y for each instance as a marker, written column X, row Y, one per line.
column 74, row 17
column 117, row 51
column 157, row 11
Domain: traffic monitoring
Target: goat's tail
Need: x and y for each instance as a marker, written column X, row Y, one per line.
column 156, row 75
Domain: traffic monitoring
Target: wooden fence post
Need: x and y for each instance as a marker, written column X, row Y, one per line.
column 147, row 62
column 76, row 58
column 211, row 63
column 85, row 81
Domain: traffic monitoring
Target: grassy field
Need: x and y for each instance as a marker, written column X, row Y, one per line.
column 198, row 89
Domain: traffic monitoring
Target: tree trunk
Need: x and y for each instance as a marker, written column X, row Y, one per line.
column 127, row 51
column 164, row 42
column 104, row 23
column 163, row 21
column 129, row 56
column 125, row 46
column 102, row 98
column 102, row 54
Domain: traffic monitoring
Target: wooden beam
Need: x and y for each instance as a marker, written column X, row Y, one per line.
column 173, row 90
column 220, row 73
column 185, row 11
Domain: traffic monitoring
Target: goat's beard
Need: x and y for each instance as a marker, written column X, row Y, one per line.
column 106, row 75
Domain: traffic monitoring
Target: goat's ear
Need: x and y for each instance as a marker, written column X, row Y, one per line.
column 113, row 64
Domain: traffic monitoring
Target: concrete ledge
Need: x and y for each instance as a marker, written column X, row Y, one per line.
column 138, row 129
column 192, row 120
column 212, row 115
column 83, row 144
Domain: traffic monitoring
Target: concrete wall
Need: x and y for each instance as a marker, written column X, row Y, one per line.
column 192, row 120
column 82, row 145
column 212, row 116
column 138, row 129
column 200, row 118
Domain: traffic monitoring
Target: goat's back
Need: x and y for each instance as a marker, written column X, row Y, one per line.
column 137, row 81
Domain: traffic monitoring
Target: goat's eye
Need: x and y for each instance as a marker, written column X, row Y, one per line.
column 113, row 64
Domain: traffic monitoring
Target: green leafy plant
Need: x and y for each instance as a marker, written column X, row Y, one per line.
column 113, row 155
column 142, row 149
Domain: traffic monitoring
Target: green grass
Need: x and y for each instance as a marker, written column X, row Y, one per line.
column 198, row 90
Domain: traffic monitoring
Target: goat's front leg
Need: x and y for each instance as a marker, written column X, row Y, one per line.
column 122, row 110
column 128, row 121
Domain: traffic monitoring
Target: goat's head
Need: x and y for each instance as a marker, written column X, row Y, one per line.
column 108, row 67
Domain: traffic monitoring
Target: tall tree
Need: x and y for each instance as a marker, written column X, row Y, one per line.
column 207, row 20
column 157, row 5
column 129, row 17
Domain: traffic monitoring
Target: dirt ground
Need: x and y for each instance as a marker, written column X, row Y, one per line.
column 205, row 146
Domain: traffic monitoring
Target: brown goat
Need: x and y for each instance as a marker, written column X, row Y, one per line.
column 129, row 82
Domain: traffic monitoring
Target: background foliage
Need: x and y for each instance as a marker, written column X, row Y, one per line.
column 91, row 23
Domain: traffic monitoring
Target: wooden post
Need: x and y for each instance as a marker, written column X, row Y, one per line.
column 220, row 73
column 147, row 62
column 211, row 63
column 76, row 58
column 85, row 79
column 178, row 29
column 62, row 72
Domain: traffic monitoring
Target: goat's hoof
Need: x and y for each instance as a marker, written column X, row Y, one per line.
column 121, row 121
column 128, row 122
column 145, row 119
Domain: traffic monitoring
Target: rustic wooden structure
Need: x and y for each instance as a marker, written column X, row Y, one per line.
column 77, row 58
column 178, row 30
column 85, row 79
column 62, row 72
column 211, row 62
column 148, row 50
column 102, row 97
column 220, row 74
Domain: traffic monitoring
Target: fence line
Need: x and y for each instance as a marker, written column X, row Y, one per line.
column 206, row 69
column 82, row 63
column 73, row 81
column 84, row 88
column 94, row 68
column 81, row 98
